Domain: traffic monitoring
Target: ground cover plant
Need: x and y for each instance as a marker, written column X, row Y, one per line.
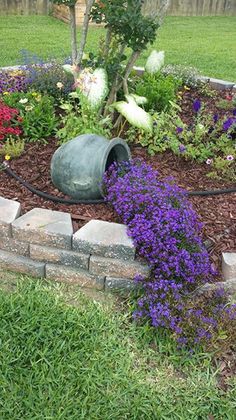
column 64, row 355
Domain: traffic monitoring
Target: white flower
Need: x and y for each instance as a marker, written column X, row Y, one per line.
column 155, row 61
column 23, row 101
column 200, row 126
column 60, row 85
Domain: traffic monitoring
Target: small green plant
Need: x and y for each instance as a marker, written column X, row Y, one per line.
column 12, row 147
column 81, row 119
column 226, row 105
column 158, row 89
column 37, row 112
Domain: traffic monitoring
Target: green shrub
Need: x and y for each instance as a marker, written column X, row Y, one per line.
column 158, row 89
column 37, row 112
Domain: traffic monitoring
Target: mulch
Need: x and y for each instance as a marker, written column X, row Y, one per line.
column 218, row 213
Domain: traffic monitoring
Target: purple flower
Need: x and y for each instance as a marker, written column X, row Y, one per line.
column 179, row 130
column 228, row 123
column 166, row 232
column 215, row 118
column 230, row 157
column 182, row 148
column 197, row 105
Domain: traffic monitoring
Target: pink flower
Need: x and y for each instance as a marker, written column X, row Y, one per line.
column 230, row 157
column 209, row 161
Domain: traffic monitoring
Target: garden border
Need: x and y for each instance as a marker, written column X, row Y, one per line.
column 217, row 84
column 100, row 255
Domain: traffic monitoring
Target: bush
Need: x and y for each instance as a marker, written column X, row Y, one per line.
column 166, row 231
column 158, row 89
column 37, row 113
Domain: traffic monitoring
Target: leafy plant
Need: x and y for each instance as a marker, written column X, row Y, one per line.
column 81, row 119
column 208, row 139
column 37, row 112
column 158, row 89
column 12, row 147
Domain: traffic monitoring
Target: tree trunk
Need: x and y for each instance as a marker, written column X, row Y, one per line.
column 73, row 34
column 84, row 32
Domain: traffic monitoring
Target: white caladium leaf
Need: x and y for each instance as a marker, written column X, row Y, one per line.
column 155, row 61
column 140, row 100
column 68, row 69
column 134, row 114
column 93, row 85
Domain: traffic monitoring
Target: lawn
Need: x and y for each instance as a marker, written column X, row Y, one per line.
column 66, row 356
column 205, row 42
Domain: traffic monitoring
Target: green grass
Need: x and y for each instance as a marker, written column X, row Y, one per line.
column 205, row 42
column 87, row 361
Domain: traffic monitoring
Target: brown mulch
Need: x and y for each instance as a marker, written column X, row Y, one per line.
column 218, row 213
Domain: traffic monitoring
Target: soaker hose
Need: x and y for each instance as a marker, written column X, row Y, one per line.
column 101, row 200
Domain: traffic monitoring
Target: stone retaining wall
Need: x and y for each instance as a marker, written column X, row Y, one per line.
column 99, row 255
column 41, row 243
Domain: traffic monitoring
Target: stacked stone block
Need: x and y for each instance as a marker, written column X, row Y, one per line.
column 41, row 243
column 100, row 255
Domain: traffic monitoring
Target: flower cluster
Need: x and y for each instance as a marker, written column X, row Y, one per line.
column 9, row 121
column 13, row 81
column 166, row 231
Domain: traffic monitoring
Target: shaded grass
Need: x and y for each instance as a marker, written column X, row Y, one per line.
column 88, row 361
column 205, row 42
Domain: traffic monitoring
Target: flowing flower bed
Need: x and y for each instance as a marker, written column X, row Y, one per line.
column 166, row 231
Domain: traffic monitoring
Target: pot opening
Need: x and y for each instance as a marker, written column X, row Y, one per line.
column 118, row 153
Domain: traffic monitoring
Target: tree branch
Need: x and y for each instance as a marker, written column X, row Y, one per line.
column 84, row 33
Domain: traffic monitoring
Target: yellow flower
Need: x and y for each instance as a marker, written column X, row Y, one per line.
column 186, row 88
column 179, row 97
column 6, row 93
column 34, row 94
column 7, row 157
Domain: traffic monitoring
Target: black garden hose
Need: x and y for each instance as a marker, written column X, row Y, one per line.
column 48, row 196
column 101, row 200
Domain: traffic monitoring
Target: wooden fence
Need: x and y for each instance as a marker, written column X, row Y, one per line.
column 177, row 8
column 24, row 7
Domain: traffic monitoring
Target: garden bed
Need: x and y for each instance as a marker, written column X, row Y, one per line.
column 218, row 213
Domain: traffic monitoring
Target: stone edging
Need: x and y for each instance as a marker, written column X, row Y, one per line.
column 217, row 84
column 99, row 255
column 41, row 243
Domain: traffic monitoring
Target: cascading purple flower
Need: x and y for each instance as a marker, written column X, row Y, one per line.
column 228, row 123
column 166, row 232
column 197, row 105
